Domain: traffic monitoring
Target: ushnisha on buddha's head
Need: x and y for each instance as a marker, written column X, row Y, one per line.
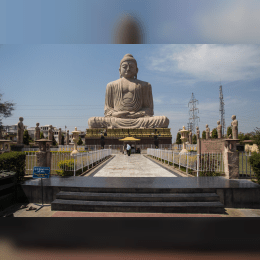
column 128, row 67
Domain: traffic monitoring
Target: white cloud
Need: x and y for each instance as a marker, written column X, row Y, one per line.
column 205, row 62
column 231, row 22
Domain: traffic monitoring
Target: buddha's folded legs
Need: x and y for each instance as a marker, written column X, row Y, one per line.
column 113, row 122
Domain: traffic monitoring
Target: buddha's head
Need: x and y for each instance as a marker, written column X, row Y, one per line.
column 233, row 117
column 128, row 67
column 218, row 122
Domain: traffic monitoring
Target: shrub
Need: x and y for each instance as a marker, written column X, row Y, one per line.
column 67, row 168
column 254, row 160
column 204, row 135
column 214, row 133
column 14, row 161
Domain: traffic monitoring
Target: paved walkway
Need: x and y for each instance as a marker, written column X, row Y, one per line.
column 135, row 165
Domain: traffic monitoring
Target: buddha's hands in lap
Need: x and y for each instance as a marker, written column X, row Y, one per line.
column 136, row 115
column 120, row 114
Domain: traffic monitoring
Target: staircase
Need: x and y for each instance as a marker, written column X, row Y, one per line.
column 179, row 201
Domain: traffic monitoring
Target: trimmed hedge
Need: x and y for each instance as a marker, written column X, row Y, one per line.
column 14, row 161
column 254, row 160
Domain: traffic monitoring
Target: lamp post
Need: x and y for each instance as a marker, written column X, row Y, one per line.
column 184, row 135
column 75, row 139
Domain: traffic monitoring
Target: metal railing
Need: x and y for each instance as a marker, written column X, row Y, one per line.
column 245, row 169
column 78, row 161
column 207, row 162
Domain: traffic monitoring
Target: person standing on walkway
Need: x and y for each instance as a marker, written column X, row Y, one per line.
column 128, row 148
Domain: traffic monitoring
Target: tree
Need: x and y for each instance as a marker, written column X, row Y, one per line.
column 242, row 137
column 194, row 139
column 6, row 109
column 54, row 143
column 62, row 139
column 256, row 137
column 214, row 133
column 204, row 135
column 178, row 138
column 41, row 135
column 26, row 137
column 80, row 142
column 229, row 131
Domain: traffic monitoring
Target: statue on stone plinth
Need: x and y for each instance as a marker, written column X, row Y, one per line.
column 234, row 125
column 67, row 138
column 37, row 132
column 207, row 131
column 128, row 101
column 190, row 137
column 197, row 133
column 50, row 133
column 20, row 130
column 219, row 128
column 59, row 136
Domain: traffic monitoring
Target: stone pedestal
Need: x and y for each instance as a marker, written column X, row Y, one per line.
column 4, row 145
column 231, row 159
column 44, row 154
column 146, row 136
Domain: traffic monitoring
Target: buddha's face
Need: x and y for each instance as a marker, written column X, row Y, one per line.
column 128, row 69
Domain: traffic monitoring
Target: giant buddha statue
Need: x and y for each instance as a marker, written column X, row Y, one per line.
column 128, row 101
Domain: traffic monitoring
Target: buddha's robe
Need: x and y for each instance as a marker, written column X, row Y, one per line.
column 139, row 105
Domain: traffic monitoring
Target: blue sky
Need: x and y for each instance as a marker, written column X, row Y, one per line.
column 57, row 57
column 65, row 84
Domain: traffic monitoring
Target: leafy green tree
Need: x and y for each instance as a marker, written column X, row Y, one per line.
column 204, row 135
column 214, row 133
column 80, row 142
column 194, row 139
column 242, row 137
column 256, row 137
column 41, row 135
column 62, row 139
column 54, row 143
column 178, row 138
column 6, row 109
column 229, row 131
column 26, row 137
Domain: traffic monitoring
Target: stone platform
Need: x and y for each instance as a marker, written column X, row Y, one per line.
column 147, row 136
column 232, row 193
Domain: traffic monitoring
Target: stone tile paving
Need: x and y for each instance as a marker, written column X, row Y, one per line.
column 47, row 212
column 133, row 166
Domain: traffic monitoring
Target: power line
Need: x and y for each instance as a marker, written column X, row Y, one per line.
column 193, row 119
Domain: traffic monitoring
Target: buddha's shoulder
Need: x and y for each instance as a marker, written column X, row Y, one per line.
column 118, row 81
column 143, row 83
column 113, row 83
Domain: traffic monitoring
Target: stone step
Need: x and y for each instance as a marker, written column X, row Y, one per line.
column 138, row 197
column 149, row 207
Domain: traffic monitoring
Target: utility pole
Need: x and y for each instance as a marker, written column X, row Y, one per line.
column 222, row 111
column 193, row 114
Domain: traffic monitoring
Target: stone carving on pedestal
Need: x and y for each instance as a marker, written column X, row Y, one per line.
column 50, row 133
column 37, row 132
column 197, row 133
column 20, row 130
column 207, row 131
column 219, row 128
column 67, row 137
column 128, row 102
column 234, row 125
column 59, row 136
column 190, row 137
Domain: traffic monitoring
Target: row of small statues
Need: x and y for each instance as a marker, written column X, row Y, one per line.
column 20, row 131
column 234, row 125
